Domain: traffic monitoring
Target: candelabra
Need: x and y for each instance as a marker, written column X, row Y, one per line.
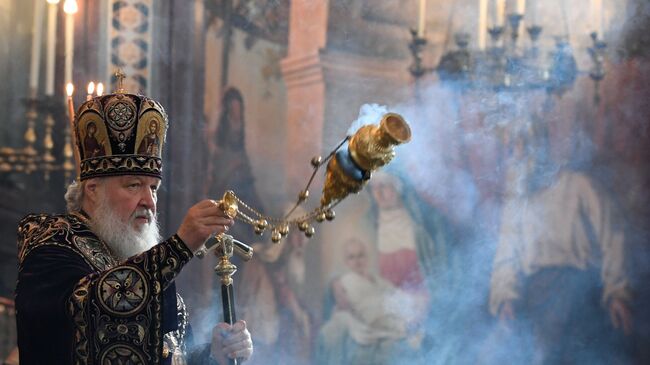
column 508, row 66
column 31, row 156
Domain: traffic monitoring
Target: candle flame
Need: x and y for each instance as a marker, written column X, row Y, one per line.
column 70, row 6
column 100, row 89
column 91, row 88
column 69, row 89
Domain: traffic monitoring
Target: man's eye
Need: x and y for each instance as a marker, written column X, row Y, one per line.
column 134, row 186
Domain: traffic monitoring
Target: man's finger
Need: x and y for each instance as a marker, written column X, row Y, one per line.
column 234, row 339
column 244, row 353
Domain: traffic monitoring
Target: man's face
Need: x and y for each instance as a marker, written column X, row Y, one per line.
column 133, row 198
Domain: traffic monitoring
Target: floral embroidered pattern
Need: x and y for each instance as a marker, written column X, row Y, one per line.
column 123, row 290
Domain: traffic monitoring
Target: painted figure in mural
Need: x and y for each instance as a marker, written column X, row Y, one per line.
column 150, row 144
column 273, row 301
column 413, row 244
column 229, row 167
column 369, row 320
column 91, row 145
column 97, row 285
column 559, row 274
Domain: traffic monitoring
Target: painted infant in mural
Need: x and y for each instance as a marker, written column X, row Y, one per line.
column 370, row 319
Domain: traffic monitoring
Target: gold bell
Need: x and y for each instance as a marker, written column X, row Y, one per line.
column 276, row 236
column 303, row 195
column 303, row 226
column 316, row 161
column 284, row 229
column 329, row 214
column 320, row 217
column 309, row 232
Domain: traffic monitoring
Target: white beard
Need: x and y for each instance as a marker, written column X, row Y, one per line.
column 121, row 237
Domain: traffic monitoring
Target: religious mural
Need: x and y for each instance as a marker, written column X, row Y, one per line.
column 511, row 229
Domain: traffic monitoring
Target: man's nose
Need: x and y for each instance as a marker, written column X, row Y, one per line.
column 148, row 199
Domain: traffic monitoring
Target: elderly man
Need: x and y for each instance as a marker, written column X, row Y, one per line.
column 96, row 285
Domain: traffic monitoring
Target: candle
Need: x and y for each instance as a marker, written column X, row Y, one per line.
column 51, row 46
column 422, row 18
column 36, row 47
column 499, row 12
column 70, row 8
column 69, row 88
column 597, row 16
column 91, row 90
column 100, row 89
column 521, row 7
column 482, row 22
column 532, row 13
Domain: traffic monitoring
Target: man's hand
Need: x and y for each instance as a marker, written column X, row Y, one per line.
column 507, row 312
column 202, row 221
column 621, row 316
column 230, row 342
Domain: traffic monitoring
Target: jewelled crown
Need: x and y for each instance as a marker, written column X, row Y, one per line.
column 120, row 134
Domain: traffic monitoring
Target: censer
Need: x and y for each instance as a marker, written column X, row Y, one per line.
column 349, row 167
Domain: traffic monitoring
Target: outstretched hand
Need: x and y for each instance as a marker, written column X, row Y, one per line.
column 203, row 220
column 231, row 342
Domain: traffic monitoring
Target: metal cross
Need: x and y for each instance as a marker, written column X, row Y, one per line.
column 120, row 76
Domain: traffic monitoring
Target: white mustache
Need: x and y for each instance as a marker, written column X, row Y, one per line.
column 142, row 213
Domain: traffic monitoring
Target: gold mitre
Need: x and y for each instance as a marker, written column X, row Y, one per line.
column 120, row 134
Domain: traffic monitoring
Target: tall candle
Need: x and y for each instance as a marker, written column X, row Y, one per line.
column 482, row 22
column 37, row 31
column 597, row 16
column 51, row 46
column 70, row 8
column 499, row 12
column 422, row 18
column 532, row 12
column 521, row 7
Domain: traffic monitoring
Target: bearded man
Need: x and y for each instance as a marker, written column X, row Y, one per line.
column 96, row 285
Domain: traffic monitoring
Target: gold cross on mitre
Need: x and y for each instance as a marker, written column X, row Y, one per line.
column 120, row 76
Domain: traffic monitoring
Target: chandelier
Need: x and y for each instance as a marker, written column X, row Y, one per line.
column 506, row 65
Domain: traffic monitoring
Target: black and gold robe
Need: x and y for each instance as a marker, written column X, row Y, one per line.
column 77, row 305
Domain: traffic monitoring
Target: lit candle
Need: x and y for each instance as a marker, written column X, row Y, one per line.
column 100, row 89
column 37, row 28
column 70, row 8
column 422, row 18
column 482, row 22
column 51, row 46
column 69, row 88
column 91, row 90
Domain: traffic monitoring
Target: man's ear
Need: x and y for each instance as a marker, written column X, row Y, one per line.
column 91, row 190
